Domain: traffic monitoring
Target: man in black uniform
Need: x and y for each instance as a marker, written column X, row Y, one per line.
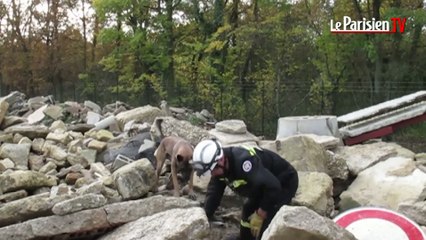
column 267, row 180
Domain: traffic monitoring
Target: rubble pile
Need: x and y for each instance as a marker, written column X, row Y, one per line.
column 80, row 171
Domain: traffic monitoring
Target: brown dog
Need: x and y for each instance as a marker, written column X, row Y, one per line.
column 180, row 153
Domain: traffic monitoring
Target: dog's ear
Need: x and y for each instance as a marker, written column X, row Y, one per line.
column 179, row 158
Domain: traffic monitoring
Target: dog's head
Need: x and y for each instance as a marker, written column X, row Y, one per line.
column 183, row 158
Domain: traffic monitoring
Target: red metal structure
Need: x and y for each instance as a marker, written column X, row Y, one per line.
column 382, row 119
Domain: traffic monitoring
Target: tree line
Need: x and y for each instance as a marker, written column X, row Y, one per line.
column 255, row 60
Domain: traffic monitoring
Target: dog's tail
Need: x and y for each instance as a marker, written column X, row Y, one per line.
column 156, row 132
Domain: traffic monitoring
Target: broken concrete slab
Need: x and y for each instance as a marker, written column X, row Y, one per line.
column 232, row 126
column 28, row 208
column 24, row 179
column 4, row 107
column 323, row 125
column 145, row 113
column 30, row 131
column 301, row 223
column 76, row 204
column 363, row 156
column 123, row 212
column 175, row 224
column 37, row 115
column 120, row 161
column 134, row 180
column 167, row 126
column 92, row 219
column 53, row 111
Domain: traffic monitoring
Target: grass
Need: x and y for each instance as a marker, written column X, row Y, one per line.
column 412, row 137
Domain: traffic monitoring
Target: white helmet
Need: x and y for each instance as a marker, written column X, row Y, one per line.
column 205, row 156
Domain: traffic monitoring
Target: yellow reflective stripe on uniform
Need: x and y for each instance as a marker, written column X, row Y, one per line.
column 251, row 150
column 238, row 183
column 235, row 183
column 245, row 224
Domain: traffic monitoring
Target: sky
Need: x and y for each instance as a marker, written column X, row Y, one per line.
column 74, row 15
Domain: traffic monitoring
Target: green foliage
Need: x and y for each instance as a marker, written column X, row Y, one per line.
column 88, row 85
column 254, row 60
column 416, row 131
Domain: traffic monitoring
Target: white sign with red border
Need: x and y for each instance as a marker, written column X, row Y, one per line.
column 370, row 223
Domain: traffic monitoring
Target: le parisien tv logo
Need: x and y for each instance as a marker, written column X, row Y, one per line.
column 366, row 26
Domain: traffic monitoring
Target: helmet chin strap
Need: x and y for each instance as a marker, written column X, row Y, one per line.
column 224, row 167
column 226, row 163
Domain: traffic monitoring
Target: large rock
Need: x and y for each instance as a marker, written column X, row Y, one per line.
column 11, row 120
column 327, row 142
column 421, row 161
column 201, row 182
column 96, row 187
column 303, row 153
column 35, row 162
column 60, row 137
column 99, row 146
column 4, row 106
column 386, row 184
column 49, row 166
column 50, row 226
column 79, row 203
column 233, row 126
column 141, row 114
column 30, row 131
column 28, row 180
column 322, row 125
column 6, row 138
column 39, row 101
column 55, row 151
column 127, row 211
column 167, row 126
column 337, row 167
column 99, row 169
column 37, row 145
column 92, row 219
column 128, row 148
column 230, row 139
column 53, row 111
column 401, row 151
column 37, row 115
column 360, row 157
column 60, row 126
column 18, row 153
column 28, row 208
column 302, row 223
column 93, row 118
column 12, row 196
column 88, row 156
column 134, row 180
column 268, row 144
column 6, row 164
column 318, row 196
column 174, row 224
column 14, row 97
column 415, row 211
column 93, row 106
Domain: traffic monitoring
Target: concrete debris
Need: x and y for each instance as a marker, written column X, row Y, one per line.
column 78, row 170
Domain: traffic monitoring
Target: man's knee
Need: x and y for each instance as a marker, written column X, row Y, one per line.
column 289, row 187
column 249, row 206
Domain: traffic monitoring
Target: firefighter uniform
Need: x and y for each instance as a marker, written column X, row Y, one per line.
column 267, row 181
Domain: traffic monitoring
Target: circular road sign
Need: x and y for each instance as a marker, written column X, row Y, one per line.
column 370, row 223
